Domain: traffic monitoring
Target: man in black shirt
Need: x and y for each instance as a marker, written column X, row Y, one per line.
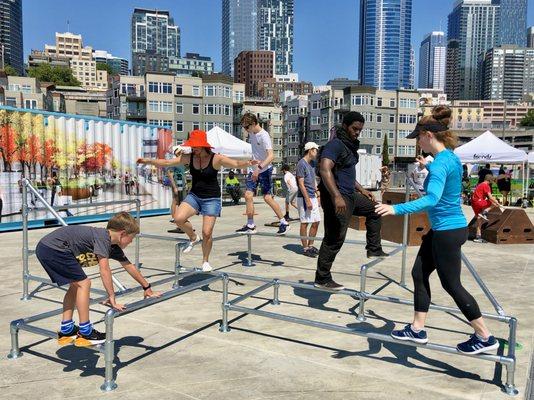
column 483, row 172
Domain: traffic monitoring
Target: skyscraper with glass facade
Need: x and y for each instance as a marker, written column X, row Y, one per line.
column 153, row 33
column 385, row 43
column 275, row 32
column 473, row 28
column 513, row 21
column 432, row 56
column 239, row 30
column 11, row 52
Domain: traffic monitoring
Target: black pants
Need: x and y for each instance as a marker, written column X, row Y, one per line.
column 441, row 251
column 364, row 207
column 235, row 192
column 335, row 230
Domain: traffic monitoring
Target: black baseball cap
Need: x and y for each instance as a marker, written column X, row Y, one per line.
column 427, row 126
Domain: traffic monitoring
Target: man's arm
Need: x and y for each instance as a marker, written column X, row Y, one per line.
column 327, row 177
column 269, row 159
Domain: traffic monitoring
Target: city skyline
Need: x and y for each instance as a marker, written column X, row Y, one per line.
column 317, row 57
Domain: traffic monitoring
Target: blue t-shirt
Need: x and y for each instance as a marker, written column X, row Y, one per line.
column 443, row 187
column 306, row 171
column 344, row 175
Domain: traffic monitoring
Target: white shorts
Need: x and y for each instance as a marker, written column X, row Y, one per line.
column 308, row 216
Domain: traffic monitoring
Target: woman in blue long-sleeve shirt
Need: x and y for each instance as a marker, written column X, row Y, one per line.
column 441, row 246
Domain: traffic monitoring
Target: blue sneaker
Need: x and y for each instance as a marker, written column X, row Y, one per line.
column 408, row 334
column 282, row 229
column 475, row 346
column 247, row 229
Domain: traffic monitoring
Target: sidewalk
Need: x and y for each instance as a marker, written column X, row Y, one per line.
column 174, row 350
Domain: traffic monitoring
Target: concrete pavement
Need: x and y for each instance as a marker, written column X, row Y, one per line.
column 174, row 350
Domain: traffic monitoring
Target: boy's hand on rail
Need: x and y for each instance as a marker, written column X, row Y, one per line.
column 112, row 303
column 149, row 293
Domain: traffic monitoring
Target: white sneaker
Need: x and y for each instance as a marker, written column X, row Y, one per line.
column 206, row 267
column 191, row 244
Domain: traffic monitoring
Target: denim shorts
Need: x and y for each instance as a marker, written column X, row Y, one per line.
column 211, row 206
column 264, row 180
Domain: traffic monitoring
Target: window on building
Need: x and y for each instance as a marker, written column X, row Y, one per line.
column 390, row 150
column 407, row 119
column 179, row 89
column 166, row 88
column 196, row 125
column 209, row 91
column 196, row 109
column 392, row 118
column 379, row 101
column 179, row 126
column 378, row 117
column 392, row 102
column 179, row 108
column 196, row 90
column 30, row 104
column 391, row 135
column 153, row 87
column 379, row 133
column 378, row 149
column 153, row 106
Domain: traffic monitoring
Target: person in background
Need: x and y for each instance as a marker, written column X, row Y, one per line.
column 482, row 202
column 483, row 172
column 441, row 247
column 289, row 186
column 384, row 182
column 233, row 187
column 307, row 202
column 420, row 172
column 1, row 203
column 176, row 177
column 127, row 182
column 504, row 183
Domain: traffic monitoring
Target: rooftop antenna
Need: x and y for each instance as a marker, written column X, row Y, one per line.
column 68, row 25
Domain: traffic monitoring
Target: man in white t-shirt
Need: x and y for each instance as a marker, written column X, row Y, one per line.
column 261, row 174
column 420, row 173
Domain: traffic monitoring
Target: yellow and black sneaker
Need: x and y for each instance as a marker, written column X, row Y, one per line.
column 67, row 338
column 93, row 338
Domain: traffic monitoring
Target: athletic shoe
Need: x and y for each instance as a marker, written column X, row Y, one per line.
column 206, row 267
column 309, row 253
column 479, row 240
column 191, row 244
column 282, row 229
column 475, row 346
column 171, row 221
column 377, row 254
column 484, row 215
column 331, row 285
column 67, row 338
column 93, row 338
column 408, row 334
column 247, row 229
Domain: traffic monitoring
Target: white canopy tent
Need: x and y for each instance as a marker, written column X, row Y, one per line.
column 488, row 148
column 228, row 145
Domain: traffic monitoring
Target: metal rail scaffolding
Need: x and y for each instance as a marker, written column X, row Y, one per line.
column 509, row 360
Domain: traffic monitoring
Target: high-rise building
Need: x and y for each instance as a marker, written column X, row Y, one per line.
column 412, row 68
column 513, row 21
column 385, row 43
column 275, row 32
column 507, row 73
column 11, row 50
column 69, row 45
column 251, row 66
column 432, row 57
column 239, row 31
column 153, row 32
column 530, row 37
column 474, row 26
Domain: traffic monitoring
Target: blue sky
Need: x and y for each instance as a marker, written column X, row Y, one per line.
column 326, row 31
